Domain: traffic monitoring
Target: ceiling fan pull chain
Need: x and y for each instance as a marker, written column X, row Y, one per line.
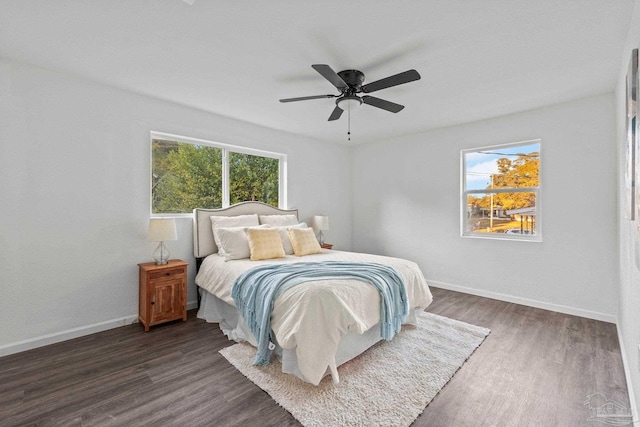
column 349, row 123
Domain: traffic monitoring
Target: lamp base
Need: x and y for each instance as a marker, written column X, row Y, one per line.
column 161, row 254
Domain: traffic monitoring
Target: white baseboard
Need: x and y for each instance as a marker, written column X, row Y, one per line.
column 526, row 301
column 70, row 334
column 625, row 364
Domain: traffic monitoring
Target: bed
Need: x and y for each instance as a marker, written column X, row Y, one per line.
column 318, row 325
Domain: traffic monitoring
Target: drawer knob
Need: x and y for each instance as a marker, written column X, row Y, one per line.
column 168, row 274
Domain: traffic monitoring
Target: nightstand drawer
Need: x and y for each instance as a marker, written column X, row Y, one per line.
column 166, row 273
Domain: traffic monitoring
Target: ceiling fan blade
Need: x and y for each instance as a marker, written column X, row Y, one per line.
column 395, row 80
column 328, row 73
column 335, row 115
column 304, row 98
column 381, row 103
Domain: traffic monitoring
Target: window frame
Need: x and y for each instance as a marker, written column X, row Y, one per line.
column 226, row 149
column 464, row 193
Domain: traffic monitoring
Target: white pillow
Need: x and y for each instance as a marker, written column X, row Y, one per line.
column 279, row 220
column 234, row 242
column 284, row 236
column 231, row 221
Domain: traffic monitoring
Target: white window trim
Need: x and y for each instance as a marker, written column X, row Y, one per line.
column 463, row 196
column 226, row 148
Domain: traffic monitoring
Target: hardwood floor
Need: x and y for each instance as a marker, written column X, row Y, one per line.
column 536, row 368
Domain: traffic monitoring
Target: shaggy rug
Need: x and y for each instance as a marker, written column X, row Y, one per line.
column 388, row 385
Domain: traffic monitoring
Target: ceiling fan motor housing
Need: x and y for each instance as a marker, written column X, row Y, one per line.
column 353, row 78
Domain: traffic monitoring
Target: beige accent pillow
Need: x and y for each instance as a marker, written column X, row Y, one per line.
column 265, row 243
column 304, row 241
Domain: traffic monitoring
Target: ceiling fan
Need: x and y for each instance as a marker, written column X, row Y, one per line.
column 349, row 83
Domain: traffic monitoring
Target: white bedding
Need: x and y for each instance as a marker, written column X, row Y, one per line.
column 312, row 318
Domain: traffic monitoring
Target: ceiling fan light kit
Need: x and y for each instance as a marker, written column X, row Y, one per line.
column 348, row 102
column 350, row 83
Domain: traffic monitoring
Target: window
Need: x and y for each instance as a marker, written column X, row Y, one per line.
column 501, row 192
column 187, row 173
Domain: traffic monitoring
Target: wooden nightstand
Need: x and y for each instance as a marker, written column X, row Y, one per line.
column 326, row 246
column 163, row 292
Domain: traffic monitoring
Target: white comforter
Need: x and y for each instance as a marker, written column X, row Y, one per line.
column 312, row 318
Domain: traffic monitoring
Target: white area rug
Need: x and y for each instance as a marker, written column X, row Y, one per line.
column 388, row 385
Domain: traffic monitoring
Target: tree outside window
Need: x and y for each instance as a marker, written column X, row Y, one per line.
column 253, row 178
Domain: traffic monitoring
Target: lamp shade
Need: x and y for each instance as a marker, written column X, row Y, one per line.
column 162, row 229
column 321, row 222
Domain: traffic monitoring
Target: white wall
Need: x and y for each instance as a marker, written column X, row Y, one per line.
column 407, row 203
column 629, row 233
column 74, row 198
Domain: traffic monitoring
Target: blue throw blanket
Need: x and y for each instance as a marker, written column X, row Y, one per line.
column 256, row 290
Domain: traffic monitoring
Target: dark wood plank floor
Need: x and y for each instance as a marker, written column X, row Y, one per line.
column 536, row 368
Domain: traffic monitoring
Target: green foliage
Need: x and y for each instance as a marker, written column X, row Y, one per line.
column 186, row 176
column 253, row 178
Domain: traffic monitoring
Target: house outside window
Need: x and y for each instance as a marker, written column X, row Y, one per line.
column 501, row 192
column 188, row 173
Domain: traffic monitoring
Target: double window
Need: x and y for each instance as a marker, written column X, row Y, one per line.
column 501, row 191
column 187, row 173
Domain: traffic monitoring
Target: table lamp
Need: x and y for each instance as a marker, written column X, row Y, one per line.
column 321, row 223
column 161, row 230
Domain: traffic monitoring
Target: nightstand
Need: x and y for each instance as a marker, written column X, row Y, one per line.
column 163, row 292
column 326, row 246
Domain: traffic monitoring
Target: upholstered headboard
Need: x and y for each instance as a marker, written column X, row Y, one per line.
column 203, row 243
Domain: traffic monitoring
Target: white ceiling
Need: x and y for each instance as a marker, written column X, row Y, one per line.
column 478, row 59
